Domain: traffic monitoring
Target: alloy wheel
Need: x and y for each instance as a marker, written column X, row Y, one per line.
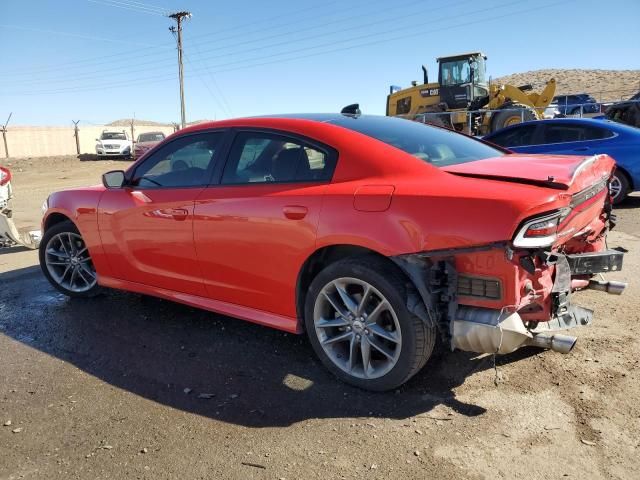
column 357, row 328
column 68, row 262
column 615, row 187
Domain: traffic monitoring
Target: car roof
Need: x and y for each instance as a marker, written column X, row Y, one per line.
column 609, row 124
column 337, row 119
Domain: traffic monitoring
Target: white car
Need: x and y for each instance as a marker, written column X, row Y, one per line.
column 113, row 144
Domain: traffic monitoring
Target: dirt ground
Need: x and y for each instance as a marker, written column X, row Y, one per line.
column 126, row 386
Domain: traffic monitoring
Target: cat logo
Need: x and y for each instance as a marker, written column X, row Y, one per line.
column 429, row 92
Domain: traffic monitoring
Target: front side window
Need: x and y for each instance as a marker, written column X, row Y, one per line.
column 514, row 137
column 270, row 158
column 185, row 162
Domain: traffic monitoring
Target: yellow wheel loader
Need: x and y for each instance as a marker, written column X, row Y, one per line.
column 464, row 100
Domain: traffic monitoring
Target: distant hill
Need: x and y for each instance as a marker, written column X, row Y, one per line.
column 125, row 122
column 604, row 85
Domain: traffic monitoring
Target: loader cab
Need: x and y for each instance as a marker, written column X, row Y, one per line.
column 462, row 79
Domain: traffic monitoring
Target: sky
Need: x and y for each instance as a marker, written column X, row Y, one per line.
column 101, row 60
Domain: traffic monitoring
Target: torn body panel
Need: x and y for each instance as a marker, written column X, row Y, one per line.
column 495, row 298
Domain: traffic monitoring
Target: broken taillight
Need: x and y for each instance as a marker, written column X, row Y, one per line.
column 543, row 228
column 5, row 176
column 539, row 231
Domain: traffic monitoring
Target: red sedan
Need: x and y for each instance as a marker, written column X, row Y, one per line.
column 376, row 236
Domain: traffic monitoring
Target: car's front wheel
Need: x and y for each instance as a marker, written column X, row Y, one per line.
column 357, row 320
column 65, row 261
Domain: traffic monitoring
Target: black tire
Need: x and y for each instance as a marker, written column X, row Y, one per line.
column 62, row 227
column 418, row 339
column 625, row 186
column 505, row 117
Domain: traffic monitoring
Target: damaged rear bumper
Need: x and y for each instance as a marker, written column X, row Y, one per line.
column 489, row 330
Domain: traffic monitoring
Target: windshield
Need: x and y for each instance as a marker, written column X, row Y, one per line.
column 113, row 136
column 455, row 72
column 437, row 146
column 151, row 137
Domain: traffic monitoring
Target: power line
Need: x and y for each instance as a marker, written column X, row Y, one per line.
column 156, row 79
column 161, row 65
column 216, row 98
column 78, row 35
column 226, row 106
column 129, row 6
column 102, row 60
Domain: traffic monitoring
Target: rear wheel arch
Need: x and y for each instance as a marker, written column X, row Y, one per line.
column 324, row 257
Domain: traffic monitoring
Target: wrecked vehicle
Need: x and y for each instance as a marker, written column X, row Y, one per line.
column 625, row 112
column 376, row 236
column 9, row 234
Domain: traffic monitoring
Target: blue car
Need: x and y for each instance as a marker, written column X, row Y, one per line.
column 580, row 136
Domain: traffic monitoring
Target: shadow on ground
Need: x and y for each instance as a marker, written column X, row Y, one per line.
column 259, row 377
column 13, row 249
column 91, row 157
column 627, row 203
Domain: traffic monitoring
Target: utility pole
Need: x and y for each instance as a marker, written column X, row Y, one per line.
column 179, row 17
column 76, row 134
column 132, row 151
column 4, row 135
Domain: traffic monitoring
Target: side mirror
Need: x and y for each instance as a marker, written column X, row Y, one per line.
column 113, row 179
column 97, row 139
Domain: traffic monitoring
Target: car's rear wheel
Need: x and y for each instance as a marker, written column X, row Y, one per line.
column 619, row 187
column 358, row 323
column 65, row 261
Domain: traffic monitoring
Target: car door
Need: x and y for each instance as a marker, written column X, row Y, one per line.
column 254, row 230
column 147, row 226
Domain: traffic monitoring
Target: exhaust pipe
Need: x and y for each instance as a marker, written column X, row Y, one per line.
column 485, row 330
column 612, row 287
column 557, row 342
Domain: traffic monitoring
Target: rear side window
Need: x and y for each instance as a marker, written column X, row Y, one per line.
column 573, row 133
column 258, row 157
column 514, row 137
column 437, row 146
